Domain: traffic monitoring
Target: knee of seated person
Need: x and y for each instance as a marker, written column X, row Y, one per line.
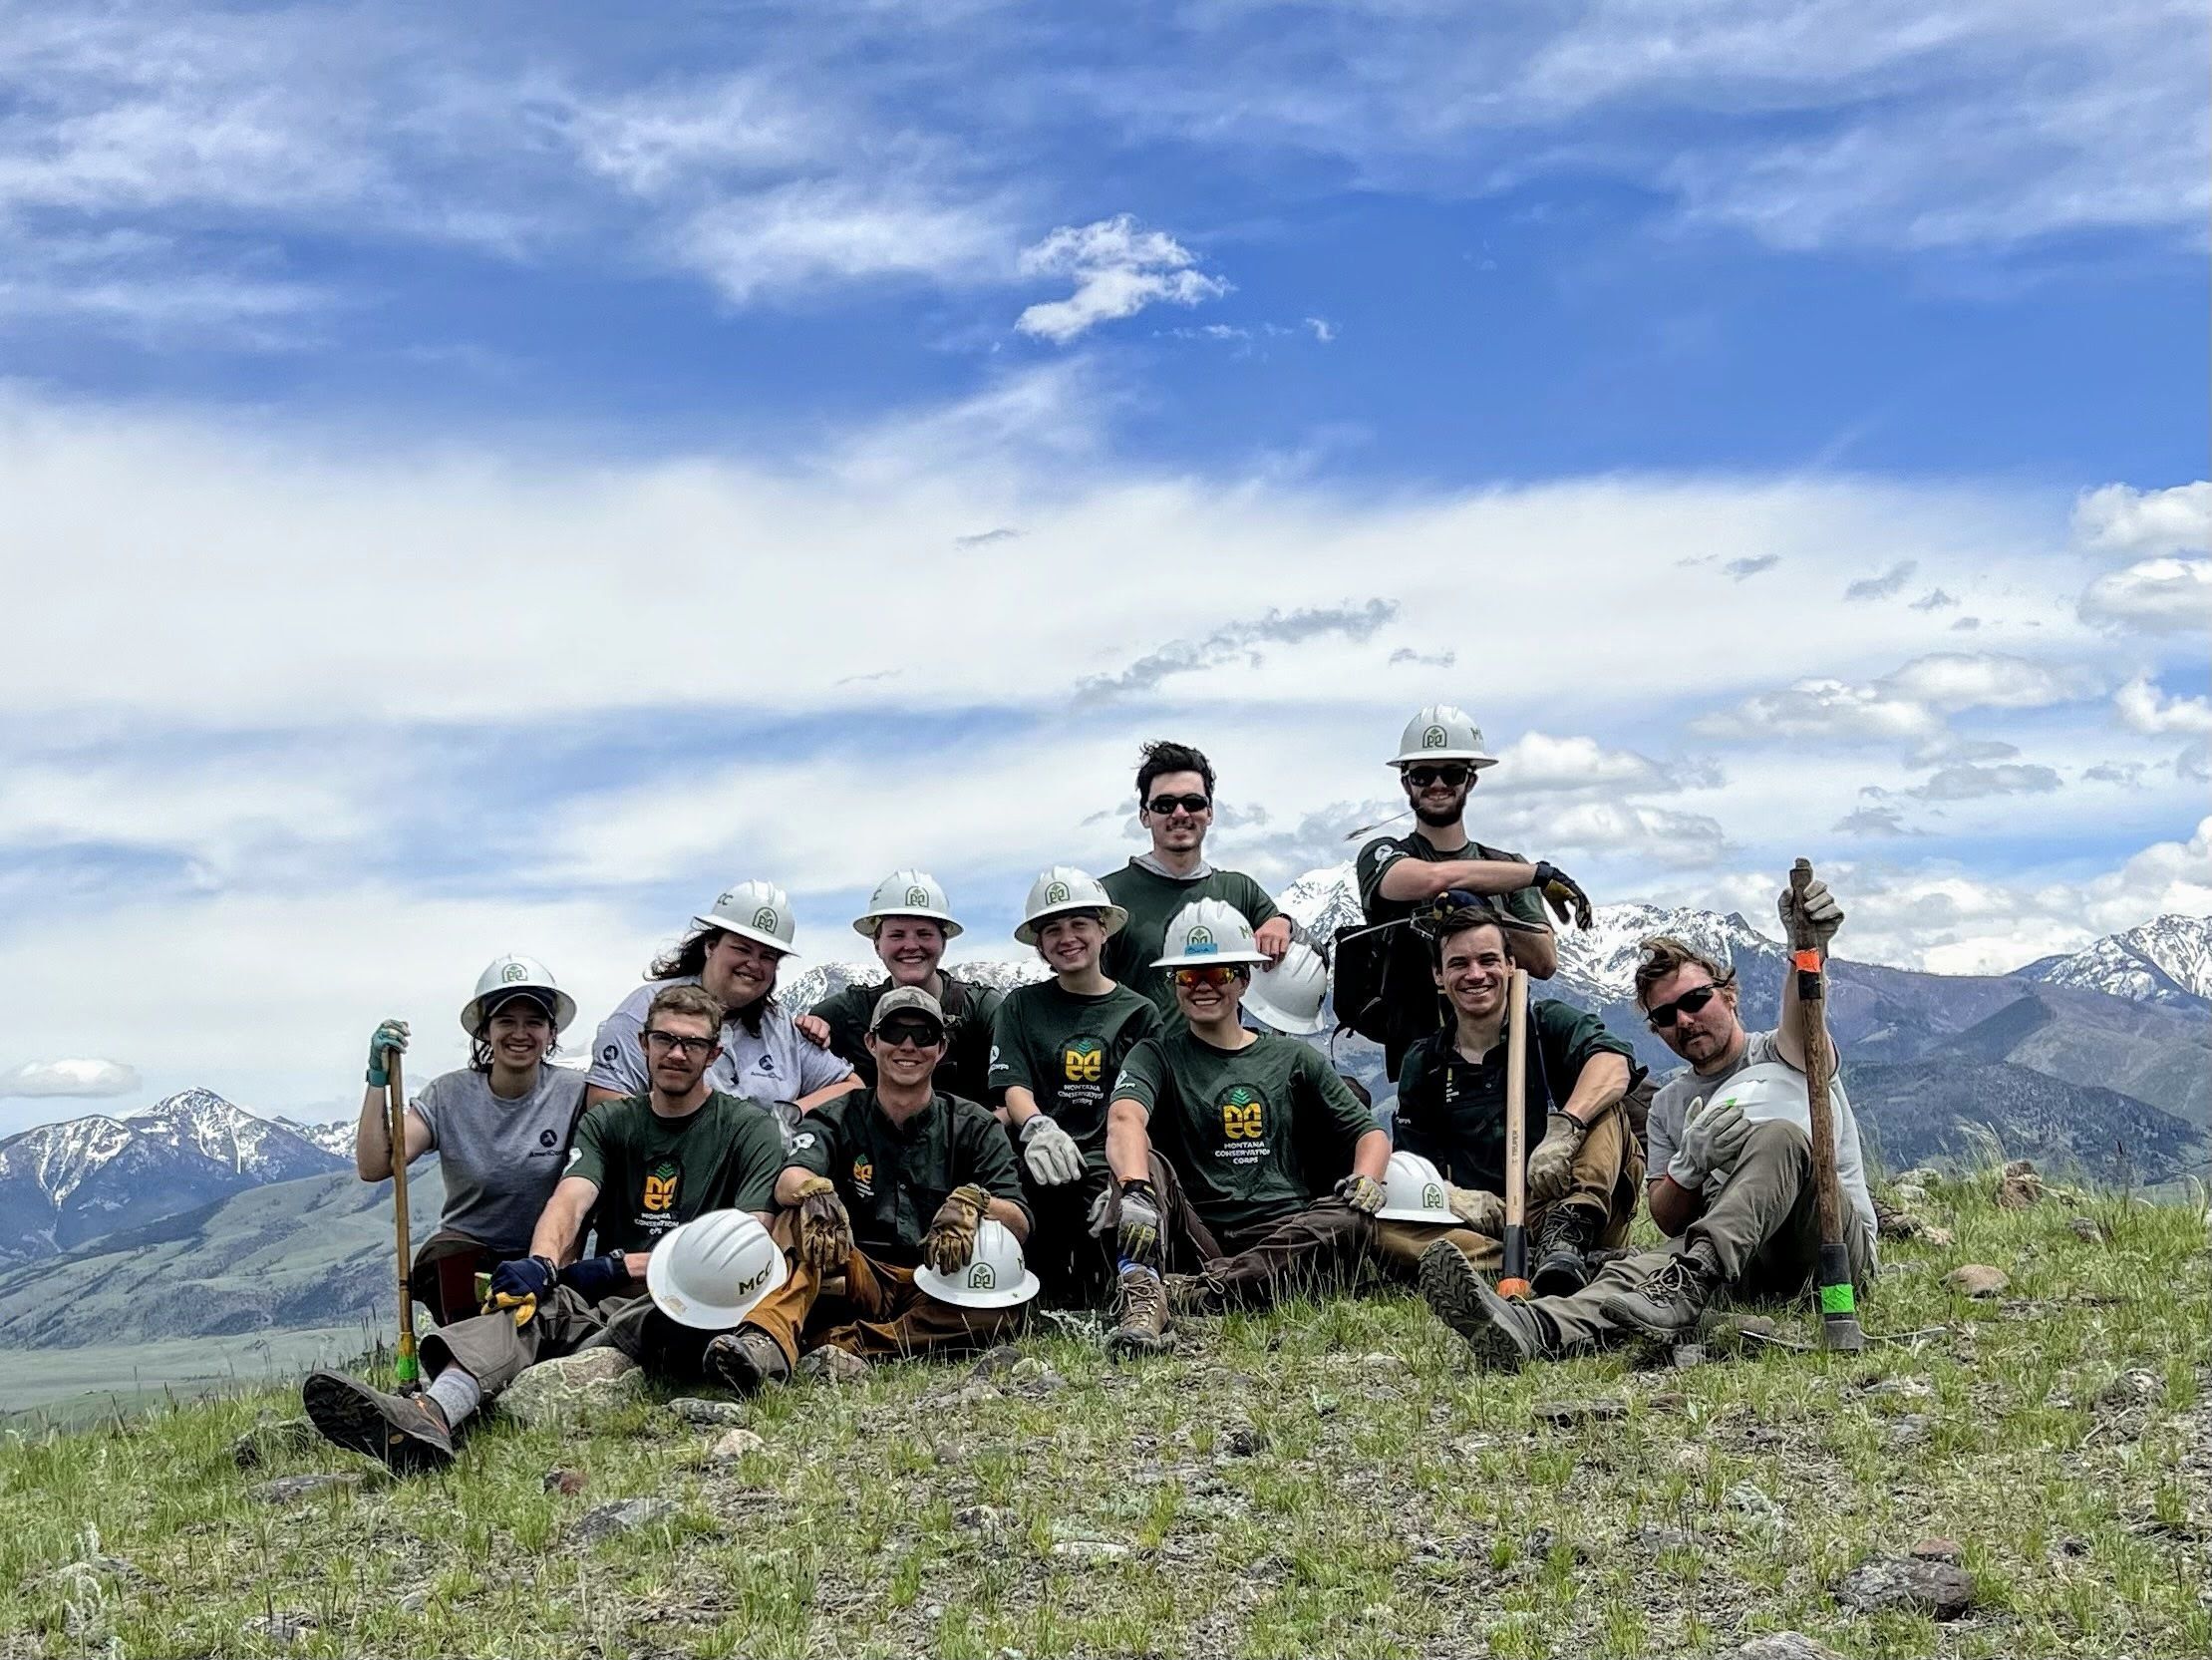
column 1779, row 1137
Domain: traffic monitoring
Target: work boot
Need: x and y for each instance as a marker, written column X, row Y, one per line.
column 1194, row 1294
column 744, row 1360
column 1503, row 1334
column 407, row 1432
column 1562, row 1242
column 1668, row 1304
column 1143, row 1325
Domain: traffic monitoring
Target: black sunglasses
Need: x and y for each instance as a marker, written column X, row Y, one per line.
column 897, row 1034
column 1164, row 804
column 1423, row 776
column 1690, row 1002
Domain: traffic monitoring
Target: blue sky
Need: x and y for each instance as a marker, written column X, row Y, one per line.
column 488, row 480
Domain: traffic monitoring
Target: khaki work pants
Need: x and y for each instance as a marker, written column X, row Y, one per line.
column 492, row 1349
column 874, row 1310
column 1310, row 1252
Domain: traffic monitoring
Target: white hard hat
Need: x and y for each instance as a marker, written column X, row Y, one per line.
column 907, row 893
column 510, row 975
column 1287, row 995
column 1443, row 733
column 1771, row 1090
column 1063, row 887
column 761, row 912
column 710, row 1272
column 1208, row 931
column 995, row 1275
column 1412, row 1191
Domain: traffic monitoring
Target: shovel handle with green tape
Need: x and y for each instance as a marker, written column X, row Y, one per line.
column 1839, row 1308
column 408, row 1368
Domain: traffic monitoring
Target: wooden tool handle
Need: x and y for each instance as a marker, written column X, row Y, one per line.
column 1838, row 1301
column 396, row 1116
column 1513, row 1269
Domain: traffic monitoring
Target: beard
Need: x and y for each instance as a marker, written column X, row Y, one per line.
column 1438, row 818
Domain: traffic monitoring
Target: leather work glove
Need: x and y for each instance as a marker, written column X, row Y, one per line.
column 1551, row 1167
column 1362, row 1192
column 824, row 1229
column 1816, row 923
column 1130, row 1212
column 525, row 1276
column 1049, row 1151
column 1563, row 893
column 389, row 1038
column 1476, row 1208
column 596, row 1276
column 1712, row 1141
column 951, row 1239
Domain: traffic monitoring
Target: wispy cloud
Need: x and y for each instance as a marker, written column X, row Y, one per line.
column 1935, row 599
column 1119, row 270
column 1970, row 783
column 88, row 1078
column 1240, row 640
column 1890, row 582
column 1742, row 568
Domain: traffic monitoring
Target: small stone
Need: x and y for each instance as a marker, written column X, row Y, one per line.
column 975, row 1392
column 2021, row 1170
column 1242, row 1441
column 1687, row 1355
column 1030, row 1376
column 1903, row 1389
column 1899, row 1224
column 1937, row 1549
column 269, row 1441
column 1907, row 1430
column 1781, row 1645
column 1976, row 1280
column 1089, row 1551
column 282, row 1628
column 1940, row 1237
column 573, row 1387
column 1909, row 1193
column 1667, row 1538
column 2087, row 1230
column 1941, row 1590
column 1747, row 1499
column 1566, row 1413
column 2018, row 1193
column 1668, row 1400
column 733, row 1445
column 2072, row 1546
column 290, row 1489
column 1691, row 1459
column 832, row 1364
column 413, row 1602
column 566, row 1483
column 993, row 1363
column 626, row 1515
column 2132, row 1388
column 706, row 1413
column 980, row 1518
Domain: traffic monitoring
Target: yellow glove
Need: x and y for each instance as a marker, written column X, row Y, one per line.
column 825, row 1229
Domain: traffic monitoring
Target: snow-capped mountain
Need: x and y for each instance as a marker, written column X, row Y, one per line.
column 2167, row 961
column 1602, row 962
column 1322, row 901
column 335, row 1138
column 803, row 991
column 64, row 1184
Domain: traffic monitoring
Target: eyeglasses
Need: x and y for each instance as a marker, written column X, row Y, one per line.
column 1453, row 775
column 1164, row 804
column 1690, row 1002
column 1224, row 975
column 664, row 1043
column 901, row 1034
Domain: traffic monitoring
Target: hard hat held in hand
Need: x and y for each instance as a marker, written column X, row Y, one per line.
column 1771, row 1090
column 1065, row 888
column 509, row 977
column 1443, row 733
column 995, row 1275
column 1287, row 996
column 1414, row 1192
column 907, row 893
column 761, row 912
column 1205, row 932
column 710, row 1272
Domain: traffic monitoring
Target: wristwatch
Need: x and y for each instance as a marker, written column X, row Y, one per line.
column 621, row 1261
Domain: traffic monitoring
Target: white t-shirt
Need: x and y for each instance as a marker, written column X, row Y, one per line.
column 1671, row 1113
column 774, row 1069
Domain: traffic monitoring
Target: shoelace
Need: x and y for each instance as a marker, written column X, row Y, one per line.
column 1674, row 1281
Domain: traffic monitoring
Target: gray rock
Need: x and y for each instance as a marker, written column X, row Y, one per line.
column 575, row 1386
column 1666, row 1538
column 413, row 1602
column 982, row 1518
column 271, row 1439
column 1241, row 1441
column 1909, row 1193
column 1781, row 1645
column 974, row 1392
column 2133, row 1387
column 706, row 1413
column 1687, row 1355
column 290, row 1489
column 1978, row 1280
column 1941, row 1590
column 1907, row 1430
column 605, row 1522
column 282, row 1628
column 1747, row 1499
column 1030, row 1376
column 1089, row 1551
column 839, row 1366
column 993, row 1363
column 2088, row 1229
column 1903, row 1389
column 734, row 1445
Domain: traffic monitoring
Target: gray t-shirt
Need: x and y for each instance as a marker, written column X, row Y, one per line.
column 1671, row 1113
column 774, row 1069
column 499, row 1158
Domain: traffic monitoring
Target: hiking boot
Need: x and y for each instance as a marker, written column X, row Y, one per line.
column 407, row 1432
column 1562, row 1247
column 744, row 1360
column 1503, row 1334
column 1142, row 1329
column 1194, row 1294
column 1668, row 1304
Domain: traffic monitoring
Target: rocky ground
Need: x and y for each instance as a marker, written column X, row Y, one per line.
column 2020, row 1466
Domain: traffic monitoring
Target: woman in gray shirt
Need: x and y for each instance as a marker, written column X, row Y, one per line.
column 499, row 1126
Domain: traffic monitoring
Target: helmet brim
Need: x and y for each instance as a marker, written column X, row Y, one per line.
column 1474, row 757
column 947, row 1290
column 1397, row 1214
column 866, row 924
column 1208, row 959
column 696, row 1315
column 1259, row 1008
column 1114, row 918
column 478, row 1010
column 759, row 936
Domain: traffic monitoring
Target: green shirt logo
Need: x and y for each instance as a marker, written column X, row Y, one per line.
column 1243, row 1114
column 1082, row 1061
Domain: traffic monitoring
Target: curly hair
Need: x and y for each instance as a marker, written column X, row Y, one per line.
column 1163, row 757
column 689, row 960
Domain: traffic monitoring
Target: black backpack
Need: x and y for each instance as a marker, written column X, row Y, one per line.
column 1382, row 988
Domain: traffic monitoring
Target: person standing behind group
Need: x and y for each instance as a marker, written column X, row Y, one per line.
column 1174, row 802
column 499, row 1126
column 1056, row 1048
column 910, row 921
column 767, row 1056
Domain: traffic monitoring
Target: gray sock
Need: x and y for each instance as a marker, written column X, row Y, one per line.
column 456, row 1394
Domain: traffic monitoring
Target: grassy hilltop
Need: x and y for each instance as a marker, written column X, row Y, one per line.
column 1321, row 1480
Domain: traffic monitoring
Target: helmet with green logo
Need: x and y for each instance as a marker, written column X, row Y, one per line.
column 761, row 912
column 508, row 977
column 1063, row 888
column 1287, row 995
column 710, row 1272
column 1443, row 733
column 1208, row 932
column 907, row 893
column 1414, row 1192
column 994, row 1276
column 1770, row 1089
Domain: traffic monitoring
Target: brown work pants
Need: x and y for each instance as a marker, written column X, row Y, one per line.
column 444, row 1278
column 1605, row 1182
column 873, row 1309
column 1310, row 1252
column 1763, row 1229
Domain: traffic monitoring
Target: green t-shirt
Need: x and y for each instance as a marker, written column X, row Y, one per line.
column 1452, row 1109
column 893, row 1178
column 1238, row 1125
column 965, row 1070
column 654, row 1174
column 1067, row 1050
column 1153, row 900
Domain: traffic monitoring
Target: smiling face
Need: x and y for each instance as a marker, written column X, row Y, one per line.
column 1072, row 941
column 679, row 1048
column 1475, row 972
column 518, row 1034
column 1437, row 790
column 739, row 972
column 910, row 947
column 907, row 1048
column 1207, row 995
column 1703, row 1035
column 1186, row 808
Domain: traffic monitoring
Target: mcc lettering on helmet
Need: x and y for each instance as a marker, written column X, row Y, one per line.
column 917, row 895
column 747, row 1287
column 1432, row 1196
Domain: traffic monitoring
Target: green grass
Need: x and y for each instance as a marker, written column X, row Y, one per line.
column 1396, row 1504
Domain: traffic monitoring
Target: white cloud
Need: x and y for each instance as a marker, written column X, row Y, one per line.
column 2120, row 518
column 1823, row 708
column 2153, row 596
column 1966, row 781
column 789, row 239
column 2144, row 708
column 86, row 1078
column 1955, row 679
column 1119, row 270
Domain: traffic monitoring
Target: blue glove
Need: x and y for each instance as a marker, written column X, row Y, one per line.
column 527, row 1276
column 389, row 1038
column 596, row 1277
